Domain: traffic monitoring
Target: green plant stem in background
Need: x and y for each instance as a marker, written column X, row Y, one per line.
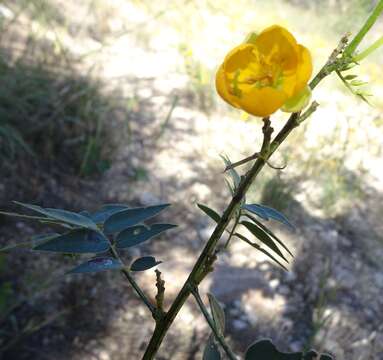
column 210, row 321
column 350, row 49
column 201, row 268
column 378, row 43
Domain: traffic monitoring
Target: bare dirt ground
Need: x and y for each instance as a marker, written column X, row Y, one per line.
column 331, row 296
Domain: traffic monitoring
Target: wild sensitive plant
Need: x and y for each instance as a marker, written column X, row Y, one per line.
column 268, row 72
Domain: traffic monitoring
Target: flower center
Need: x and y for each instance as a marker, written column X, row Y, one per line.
column 260, row 72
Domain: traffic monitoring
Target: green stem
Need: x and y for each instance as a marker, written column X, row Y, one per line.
column 350, row 49
column 199, row 267
column 210, row 321
column 134, row 284
column 377, row 44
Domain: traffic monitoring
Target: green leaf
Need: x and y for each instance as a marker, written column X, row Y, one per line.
column 137, row 234
column 256, row 246
column 97, row 265
column 78, row 241
column 263, row 237
column 144, row 263
column 350, row 77
column 358, row 83
column 211, row 351
column 129, row 217
column 268, row 231
column 64, row 216
column 266, row 213
column 107, row 210
column 266, row 350
column 210, row 212
column 218, row 313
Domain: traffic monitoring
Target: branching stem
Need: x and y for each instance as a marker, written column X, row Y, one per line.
column 203, row 264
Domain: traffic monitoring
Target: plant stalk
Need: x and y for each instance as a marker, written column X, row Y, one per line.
column 200, row 269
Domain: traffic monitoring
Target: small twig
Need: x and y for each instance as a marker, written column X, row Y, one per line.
column 241, row 162
column 210, row 322
column 160, row 284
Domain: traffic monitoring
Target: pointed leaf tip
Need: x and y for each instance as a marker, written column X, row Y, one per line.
column 210, row 212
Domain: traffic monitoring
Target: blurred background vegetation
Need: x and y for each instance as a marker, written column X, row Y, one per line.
column 114, row 101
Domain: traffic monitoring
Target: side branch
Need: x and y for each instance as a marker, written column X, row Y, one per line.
column 210, row 321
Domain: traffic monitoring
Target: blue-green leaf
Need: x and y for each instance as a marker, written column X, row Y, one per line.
column 78, row 241
column 266, row 213
column 211, row 351
column 129, row 217
column 210, row 212
column 64, row 216
column 106, row 211
column 97, row 265
column 264, row 228
column 218, row 313
column 266, row 350
column 137, row 234
column 256, row 246
column 263, row 237
column 144, row 263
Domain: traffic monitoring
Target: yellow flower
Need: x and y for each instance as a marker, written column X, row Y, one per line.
column 264, row 73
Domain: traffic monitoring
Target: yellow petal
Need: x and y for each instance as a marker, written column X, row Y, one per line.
column 222, row 88
column 262, row 101
column 239, row 58
column 279, row 45
column 304, row 69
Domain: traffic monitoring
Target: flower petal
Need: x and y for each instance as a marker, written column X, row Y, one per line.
column 222, row 89
column 304, row 69
column 262, row 101
column 279, row 45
